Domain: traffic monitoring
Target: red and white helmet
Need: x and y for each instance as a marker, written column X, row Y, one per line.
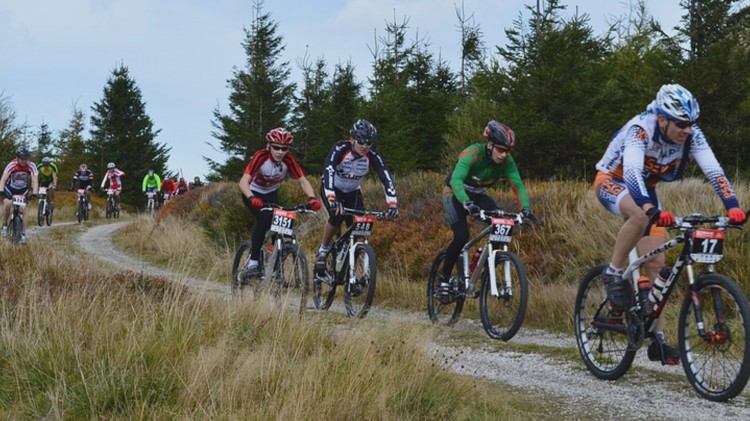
column 279, row 136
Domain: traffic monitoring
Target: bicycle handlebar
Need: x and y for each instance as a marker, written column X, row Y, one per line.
column 379, row 215
column 487, row 214
column 302, row 207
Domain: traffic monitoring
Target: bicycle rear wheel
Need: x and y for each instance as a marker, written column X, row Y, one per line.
column 358, row 295
column 444, row 306
column 292, row 275
column 718, row 365
column 324, row 290
column 110, row 209
column 502, row 315
column 604, row 350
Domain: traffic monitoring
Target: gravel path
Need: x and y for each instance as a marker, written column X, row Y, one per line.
column 648, row 391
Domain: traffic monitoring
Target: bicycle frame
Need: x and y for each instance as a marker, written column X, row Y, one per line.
column 489, row 253
column 348, row 241
column 683, row 261
column 280, row 233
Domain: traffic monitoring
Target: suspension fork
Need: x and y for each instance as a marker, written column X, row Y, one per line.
column 696, row 303
column 351, row 252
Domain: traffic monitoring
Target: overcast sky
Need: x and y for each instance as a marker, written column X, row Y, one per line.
column 57, row 53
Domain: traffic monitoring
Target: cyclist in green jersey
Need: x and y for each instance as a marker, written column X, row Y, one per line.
column 48, row 177
column 151, row 182
column 479, row 167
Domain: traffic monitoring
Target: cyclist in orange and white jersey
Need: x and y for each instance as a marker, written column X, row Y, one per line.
column 654, row 146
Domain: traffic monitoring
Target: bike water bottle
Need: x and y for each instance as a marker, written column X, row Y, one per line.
column 644, row 291
column 475, row 259
column 656, row 292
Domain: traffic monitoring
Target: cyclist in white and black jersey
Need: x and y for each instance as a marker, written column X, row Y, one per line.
column 654, row 146
column 346, row 164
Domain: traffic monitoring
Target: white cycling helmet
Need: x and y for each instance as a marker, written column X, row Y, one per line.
column 111, row 166
column 677, row 103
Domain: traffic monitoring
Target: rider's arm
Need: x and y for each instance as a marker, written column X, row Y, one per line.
column 633, row 157
column 329, row 167
column 245, row 185
column 386, row 179
column 306, row 186
column 143, row 185
column 516, row 183
column 158, row 182
column 3, row 180
column 703, row 155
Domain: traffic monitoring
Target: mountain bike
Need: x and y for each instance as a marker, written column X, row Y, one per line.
column 504, row 292
column 45, row 209
column 282, row 262
column 151, row 202
column 15, row 230
column 713, row 324
column 83, row 206
column 351, row 263
column 113, row 210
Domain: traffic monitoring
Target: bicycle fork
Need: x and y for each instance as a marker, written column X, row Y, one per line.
column 488, row 257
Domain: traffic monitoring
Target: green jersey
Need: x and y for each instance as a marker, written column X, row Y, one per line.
column 475, row 172
column 46, row 173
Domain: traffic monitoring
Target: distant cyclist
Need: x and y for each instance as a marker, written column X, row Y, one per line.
column 18, row 177
column 84, row 179
column 48, row 177
column 114, row 177
column 182, row 186
column 152, row 183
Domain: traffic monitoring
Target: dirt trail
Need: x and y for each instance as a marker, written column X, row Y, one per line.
column 638, row 395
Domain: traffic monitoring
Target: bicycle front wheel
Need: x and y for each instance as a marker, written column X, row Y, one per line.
column 444, row 305
column 604, row 349
column 324, row 285
column 240, row 262
column 292, row 275
column 717, row 364
column 40, row 213
column 503, row 314
column 360, row 291
column 81, row 210
column 50, row 212
column 16, row 228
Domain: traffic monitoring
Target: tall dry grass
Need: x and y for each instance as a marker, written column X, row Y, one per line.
column 80, row 342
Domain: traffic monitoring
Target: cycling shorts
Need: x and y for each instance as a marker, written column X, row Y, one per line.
column 610, row 192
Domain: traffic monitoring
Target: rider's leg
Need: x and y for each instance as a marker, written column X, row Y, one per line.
column 6, row 211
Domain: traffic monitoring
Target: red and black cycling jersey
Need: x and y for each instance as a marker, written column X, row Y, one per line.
column 266, row 174
column 19, row 176
column 344, row 170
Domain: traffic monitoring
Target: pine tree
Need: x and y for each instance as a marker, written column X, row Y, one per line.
column 260, row 98
column 10, row 132
column 71, row 146
column 123, row 133
column 44, row 142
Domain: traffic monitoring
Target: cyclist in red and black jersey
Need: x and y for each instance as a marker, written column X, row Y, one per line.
column 654, row 146
column 18, row 177
column 345, row 166
column 260, row 184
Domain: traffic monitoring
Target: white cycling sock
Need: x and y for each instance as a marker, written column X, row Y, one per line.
column 253, row 263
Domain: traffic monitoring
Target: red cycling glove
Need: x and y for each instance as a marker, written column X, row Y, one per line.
column 313, row 203
column 255, row 202
column 666, row 219
column 736, row 216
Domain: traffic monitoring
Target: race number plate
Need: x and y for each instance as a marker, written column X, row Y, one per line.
column 19, row 200
column 363, row 226
column 42, row 191
column 502, row 230
column 708, row 245
column 283, row 221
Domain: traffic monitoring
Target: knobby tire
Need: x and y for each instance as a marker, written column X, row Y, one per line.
column 502, row 316
column 445, row 309
column 358, row 296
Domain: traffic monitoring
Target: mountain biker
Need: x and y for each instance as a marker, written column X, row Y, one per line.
column 653, row 146
column 48, row 177
column 85, row 179
column 18, row 176
column 152, row 182
column 113, row 176
column 169, row 187
column 479, row 167
column 260, row 184
column 182, row 186
column 345, row 166
column 196, row 182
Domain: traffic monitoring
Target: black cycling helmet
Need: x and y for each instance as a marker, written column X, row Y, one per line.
column 22, row 153
column 500, row 135
column 363, row 132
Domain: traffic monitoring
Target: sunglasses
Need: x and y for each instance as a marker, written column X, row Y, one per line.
column 682, row 124
column 280, row 148
column 363, row 143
